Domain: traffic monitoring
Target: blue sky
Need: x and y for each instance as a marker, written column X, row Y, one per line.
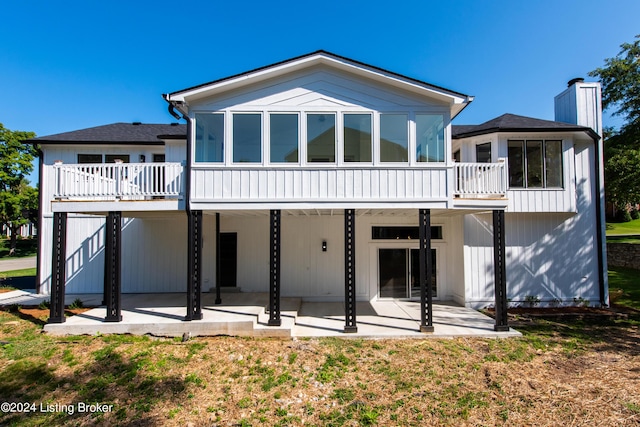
column 67, row 65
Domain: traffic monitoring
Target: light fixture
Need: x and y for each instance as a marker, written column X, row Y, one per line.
column 324, row 246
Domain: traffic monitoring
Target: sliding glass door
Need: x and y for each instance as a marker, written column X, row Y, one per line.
column 399, row 273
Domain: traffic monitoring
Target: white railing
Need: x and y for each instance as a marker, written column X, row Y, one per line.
column 480, row 179
column 130, row 181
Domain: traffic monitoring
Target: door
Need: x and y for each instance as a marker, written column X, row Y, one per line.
column 399, row 273
column 228, row 259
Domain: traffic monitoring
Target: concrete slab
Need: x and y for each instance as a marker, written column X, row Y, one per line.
column 244, row 314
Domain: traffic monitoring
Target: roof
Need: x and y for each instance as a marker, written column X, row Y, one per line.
column 118, row 133
column 310, row 55
column 457, row 101
column 515, row 123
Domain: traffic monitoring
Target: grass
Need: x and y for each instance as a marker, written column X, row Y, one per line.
column 27, row 272
column 618, row 228
column 24, row 248
column 563, row 372
column 624, row 287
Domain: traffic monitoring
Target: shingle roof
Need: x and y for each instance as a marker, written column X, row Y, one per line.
column 118, row 133
column 515, row 123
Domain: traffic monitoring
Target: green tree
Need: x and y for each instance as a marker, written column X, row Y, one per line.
column 18, row 200
column 620, row 78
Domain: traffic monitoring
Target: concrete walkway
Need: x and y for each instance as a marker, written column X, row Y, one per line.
column 244, row 314
column 10, row 264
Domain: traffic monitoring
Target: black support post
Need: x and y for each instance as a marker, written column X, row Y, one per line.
column 58, row 270
column 218, row 275
column 500, row 269
column 426, row 272
column 194, row 267
column 350, row 271
column 274, row 279
column 112, row 270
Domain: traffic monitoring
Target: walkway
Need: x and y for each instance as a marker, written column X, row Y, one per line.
column 243, row 314
column 10, row 264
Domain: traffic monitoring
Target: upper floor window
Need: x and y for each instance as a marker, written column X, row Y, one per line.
column 321, row 138
column 283, row 138
column 483, row 153
column 394, row 138
column 535, row 164
column 429, row 138
column 209, row 146
column 357, row 137
column 247, row 138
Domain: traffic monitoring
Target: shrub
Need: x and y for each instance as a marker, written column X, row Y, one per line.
column 623, row 215
column 635, row 213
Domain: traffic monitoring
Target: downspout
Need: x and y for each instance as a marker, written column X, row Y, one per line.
column 40, row 219
column 600, row 229
column 187, row 168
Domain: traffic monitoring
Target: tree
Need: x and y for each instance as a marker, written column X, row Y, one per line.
column 620, row 78
column 18, row 200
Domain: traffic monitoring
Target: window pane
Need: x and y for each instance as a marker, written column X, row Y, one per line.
column 284, row 138
column 209, row 138
column 357, row 138
column 321, row 138
column 516, row 164
column 429, row 138
column 247, row 138
column 483, row 153
column 534, row 164
column 89, row 158
column 553, row 163
column 394, row 138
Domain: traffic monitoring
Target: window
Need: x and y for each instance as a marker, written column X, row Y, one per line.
column 357, row 138
column 284, row 138
column 483, row 153
column 89, row 158
column 429, row 138
column 403, row 233
column 321, row 138
column 394, row 138
column 111, row 158
column 247, row 138
column 456, row 156
column 209, row 145
column 535, row 164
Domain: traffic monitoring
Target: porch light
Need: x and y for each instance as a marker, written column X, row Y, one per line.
column 324, row 246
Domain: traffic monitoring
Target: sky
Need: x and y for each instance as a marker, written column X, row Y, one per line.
column 69, row 65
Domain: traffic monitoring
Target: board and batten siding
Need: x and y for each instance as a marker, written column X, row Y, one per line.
column 549, row 255
column 214, row 186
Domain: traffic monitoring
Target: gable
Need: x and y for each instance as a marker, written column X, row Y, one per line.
column 319, row 88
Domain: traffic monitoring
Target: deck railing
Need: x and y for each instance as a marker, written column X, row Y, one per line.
column 130, row 181
column 480, row 179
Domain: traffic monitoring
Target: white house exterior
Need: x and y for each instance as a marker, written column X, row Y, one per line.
column 328, row 179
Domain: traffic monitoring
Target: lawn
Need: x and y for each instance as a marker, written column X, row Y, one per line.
column 26, row 272
column 561, row 372
column 24, row 248
column 618, row 228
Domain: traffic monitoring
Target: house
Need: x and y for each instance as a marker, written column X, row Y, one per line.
column 332, row 180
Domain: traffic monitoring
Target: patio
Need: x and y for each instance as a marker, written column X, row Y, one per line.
column 244, row 314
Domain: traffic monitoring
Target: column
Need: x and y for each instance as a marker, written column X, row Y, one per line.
column 112, row 268
column 350, row 271
column 58, row 270
column 274, row 271
column 426, row 272
column 194, row 266
column 218, row 276
column 500, row 270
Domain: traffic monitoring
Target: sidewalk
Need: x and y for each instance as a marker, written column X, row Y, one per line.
column 17, row 263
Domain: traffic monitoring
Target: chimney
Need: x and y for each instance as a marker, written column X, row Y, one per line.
column 580, row 104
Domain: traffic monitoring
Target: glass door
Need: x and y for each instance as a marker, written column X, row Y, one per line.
column 399, row 273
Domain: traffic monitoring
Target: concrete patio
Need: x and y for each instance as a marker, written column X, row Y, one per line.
column 244, row 314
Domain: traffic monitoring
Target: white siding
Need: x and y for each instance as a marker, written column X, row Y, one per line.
column 549, row 255
column 318, row 185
